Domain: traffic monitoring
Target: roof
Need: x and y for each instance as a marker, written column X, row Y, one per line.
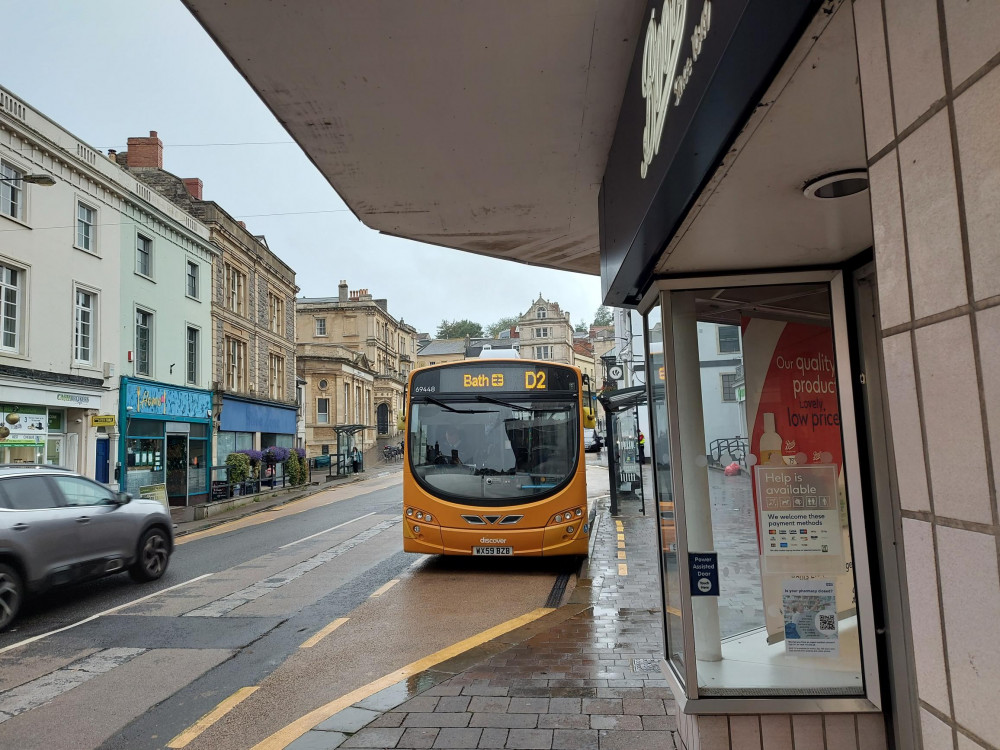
column 443, row 346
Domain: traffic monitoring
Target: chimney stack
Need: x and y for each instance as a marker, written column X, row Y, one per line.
column 145, row 152
column 113, row 155
column 194, row 186
column 342, row 291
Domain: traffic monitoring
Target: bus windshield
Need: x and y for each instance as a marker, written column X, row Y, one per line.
column 493, row 451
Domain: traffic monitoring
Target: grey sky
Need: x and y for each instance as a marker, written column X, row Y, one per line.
column 109, row 69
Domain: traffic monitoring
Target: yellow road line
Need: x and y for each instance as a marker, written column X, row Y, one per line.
column 622, row 569
column 621, row 555
column 189, row 734
column 619, row 526
column 621, row 537
column 383, row 588
column 621, row 545
column 285, row 736
column 321, row 634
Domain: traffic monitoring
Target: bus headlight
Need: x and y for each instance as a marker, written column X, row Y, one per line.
column 558, row 518
column 409, row 511
column 427, row 517
column 569, row 529
column 579, row 512
column 416, row 529
column 420, row 516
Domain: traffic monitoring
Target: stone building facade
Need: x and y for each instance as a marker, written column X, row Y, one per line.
column 546, row 332
column 356, row 322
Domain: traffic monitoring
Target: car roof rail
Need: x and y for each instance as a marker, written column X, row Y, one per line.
column 47, row 467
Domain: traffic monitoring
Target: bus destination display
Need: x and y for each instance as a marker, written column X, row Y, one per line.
column 495, row 379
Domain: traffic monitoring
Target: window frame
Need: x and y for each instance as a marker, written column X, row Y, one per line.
column 92, row 225
column 14, row 183
column 192, row 360
column 188, row 277
column 320, row 323
column 683, row 679
column 20, row 288
column 718, row 340
column 319, row 413
column 235, row 364
column 235, row 289
column 276, row 376
column 541, row 313
column 543, row 352
column 275, row 313
column 79, row 289
column 149, row 326
column 732, row 387
column 148, row 251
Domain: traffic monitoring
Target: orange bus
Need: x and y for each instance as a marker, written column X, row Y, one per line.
column 495, row 459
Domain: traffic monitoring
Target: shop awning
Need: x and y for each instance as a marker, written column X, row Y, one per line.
column 624, row 398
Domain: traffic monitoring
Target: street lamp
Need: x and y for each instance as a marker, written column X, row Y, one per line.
column 35, row 179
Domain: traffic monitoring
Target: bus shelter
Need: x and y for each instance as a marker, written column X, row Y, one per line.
column 346, row 441
column 624, row 468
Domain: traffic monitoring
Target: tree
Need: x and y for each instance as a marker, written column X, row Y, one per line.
column 504, row 324
column 582, row 327
column 603, row 316
column 456, row 329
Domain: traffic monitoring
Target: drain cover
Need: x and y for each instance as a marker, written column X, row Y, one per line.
column 645, row 665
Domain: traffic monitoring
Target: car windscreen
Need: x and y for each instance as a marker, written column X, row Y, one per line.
column 493, row 451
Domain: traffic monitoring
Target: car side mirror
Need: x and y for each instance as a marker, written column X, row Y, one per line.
column 122, row 498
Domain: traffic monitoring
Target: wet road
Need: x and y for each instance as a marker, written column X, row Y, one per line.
column 287, row 610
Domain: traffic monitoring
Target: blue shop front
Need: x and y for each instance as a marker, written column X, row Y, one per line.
column 167, row 449
column 250, row 424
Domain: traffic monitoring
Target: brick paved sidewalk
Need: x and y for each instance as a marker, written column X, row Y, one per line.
column 584, row 676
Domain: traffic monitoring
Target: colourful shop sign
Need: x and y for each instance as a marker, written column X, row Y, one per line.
column 23, row 426
column 143, row 398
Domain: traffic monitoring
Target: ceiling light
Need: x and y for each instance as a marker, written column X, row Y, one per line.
column 837, row 184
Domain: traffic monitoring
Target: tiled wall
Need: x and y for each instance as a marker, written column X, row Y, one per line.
column 930, row 86
column 782, row 732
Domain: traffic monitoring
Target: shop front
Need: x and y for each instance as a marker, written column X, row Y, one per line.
column 48, row 426
column 167, row 450
column 783, row 583
column 247, row 424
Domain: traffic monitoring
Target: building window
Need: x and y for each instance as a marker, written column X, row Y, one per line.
column 321, row 326
column 83, row 327
column 143, row 341
column 11, row 308
column 193, row 280
column 276, row 308
column 11, row 191
column 143, row 255
column 236, row 364
column 729, row 339
column 323, row 411
column 541, row 312
column 192, row 355
column 85, row 222
column 542, row 333
column 235, row 290
column 729, row 386
column 543, row 352
column 276, row 384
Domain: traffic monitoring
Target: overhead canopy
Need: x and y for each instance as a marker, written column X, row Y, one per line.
column 483, row 126
column 622, row 399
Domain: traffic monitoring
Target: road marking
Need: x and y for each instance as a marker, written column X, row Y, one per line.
column 622, row 569
column 621, row 545
column 383, row 588
column 26, row 641
column 48, row 687
column 193, row 731
column 320, row 635
column 286, row 735
column 621, row 555
column 226, row 604
column 326, row 531
column 619, row 526
column 621, row 537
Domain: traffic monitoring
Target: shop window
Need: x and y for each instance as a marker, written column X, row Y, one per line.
column 758, row 564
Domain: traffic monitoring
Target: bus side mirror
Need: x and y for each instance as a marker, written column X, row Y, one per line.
column 589, row 421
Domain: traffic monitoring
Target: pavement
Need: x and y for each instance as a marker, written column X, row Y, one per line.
column 585, row 675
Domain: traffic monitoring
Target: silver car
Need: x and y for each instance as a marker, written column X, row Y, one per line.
column 57, row 528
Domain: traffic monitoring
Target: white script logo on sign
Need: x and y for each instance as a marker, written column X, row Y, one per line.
column 660, row 76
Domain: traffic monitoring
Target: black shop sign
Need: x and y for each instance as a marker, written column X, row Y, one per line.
column 700, row 67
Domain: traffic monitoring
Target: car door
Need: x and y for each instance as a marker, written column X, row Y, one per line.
column 103, row 527
column 39, row 529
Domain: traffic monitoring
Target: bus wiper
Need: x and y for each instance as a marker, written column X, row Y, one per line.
column 443, row 405
column 518, row 407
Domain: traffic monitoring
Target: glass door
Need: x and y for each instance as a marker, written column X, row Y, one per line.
column 177, row 469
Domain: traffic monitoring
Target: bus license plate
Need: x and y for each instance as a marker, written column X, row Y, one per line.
column 492, row 550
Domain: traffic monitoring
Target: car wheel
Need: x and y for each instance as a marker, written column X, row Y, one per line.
column 153, row 558
column 11, row 593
